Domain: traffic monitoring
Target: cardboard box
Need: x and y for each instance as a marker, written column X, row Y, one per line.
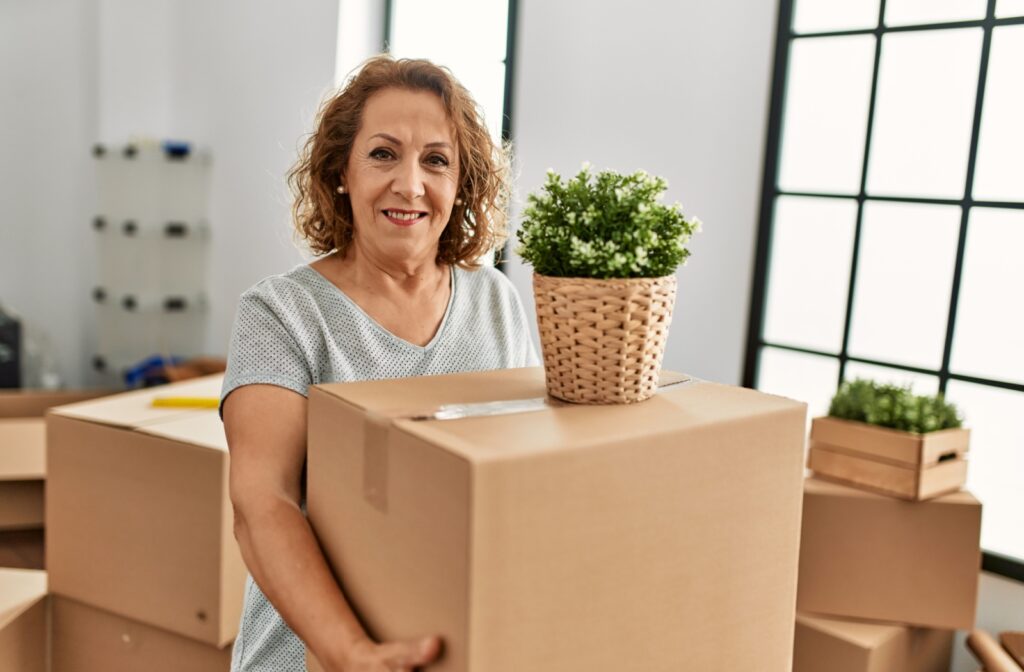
column 836, row 645
column 35, row 403
column 23, row 549
column 902, row 464
column 86, row 639
column 22, row 620
column 655, row 536
column 137, row 512
column 864, row 555
column 23, row 453
column 22, row 473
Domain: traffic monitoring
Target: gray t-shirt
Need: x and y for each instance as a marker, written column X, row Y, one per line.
column 298, row 329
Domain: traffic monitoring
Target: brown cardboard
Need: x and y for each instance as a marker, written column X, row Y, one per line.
column 840, row 645
column 22, row 549
column 138, row 517
column 895, row 480
column 901, row 464
column 35, row 403
column 23, row 452
column 655, row 536
column 23, row 639
column 864, row 555
column 22, row 472
column 86, row 639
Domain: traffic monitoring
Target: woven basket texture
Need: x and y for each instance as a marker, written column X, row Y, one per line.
column 603, row 340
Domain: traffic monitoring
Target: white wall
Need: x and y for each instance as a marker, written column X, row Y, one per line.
column 48, row 120
column 680, row 89
column 242, row 77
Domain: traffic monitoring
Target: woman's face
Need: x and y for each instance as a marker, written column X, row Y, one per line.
column 402, row 175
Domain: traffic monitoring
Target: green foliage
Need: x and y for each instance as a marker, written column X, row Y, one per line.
column 893, row 406
column 606, row 225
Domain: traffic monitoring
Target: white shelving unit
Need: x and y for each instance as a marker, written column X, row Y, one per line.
column 152, row 242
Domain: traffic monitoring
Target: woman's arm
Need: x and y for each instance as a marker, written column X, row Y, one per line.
column 266, row 432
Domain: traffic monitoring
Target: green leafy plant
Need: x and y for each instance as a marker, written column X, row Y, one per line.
column 893, row 406
column 607, row 225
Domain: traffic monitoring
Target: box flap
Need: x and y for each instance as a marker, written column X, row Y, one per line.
column 671, row 411
column 425, row 393
column 135, row 409
column 19, row 590
column 22, row 449
column 34, row 403
column 859, row 633
column 203, row 428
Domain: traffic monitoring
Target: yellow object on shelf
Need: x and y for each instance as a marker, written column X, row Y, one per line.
column 186, row 402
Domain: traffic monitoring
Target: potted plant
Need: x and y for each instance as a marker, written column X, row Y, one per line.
column 604, row 250
column 885, row 438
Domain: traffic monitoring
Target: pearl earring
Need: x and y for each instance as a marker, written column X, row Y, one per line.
column 341, row 189
column 458, row 201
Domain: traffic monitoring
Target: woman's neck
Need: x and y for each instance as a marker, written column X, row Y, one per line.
column 359, row 269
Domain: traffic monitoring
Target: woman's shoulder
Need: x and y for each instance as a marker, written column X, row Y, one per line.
column 299, row 281
column 286, row 295
column 485, row 278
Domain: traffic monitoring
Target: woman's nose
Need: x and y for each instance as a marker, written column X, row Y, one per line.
column 408, row 180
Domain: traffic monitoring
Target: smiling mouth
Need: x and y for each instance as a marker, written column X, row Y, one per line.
column 404, row 216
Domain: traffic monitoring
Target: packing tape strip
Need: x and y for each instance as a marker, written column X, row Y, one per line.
column 376, row 445
column 377, row 430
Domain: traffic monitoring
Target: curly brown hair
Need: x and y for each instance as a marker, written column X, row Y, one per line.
column 323, row 218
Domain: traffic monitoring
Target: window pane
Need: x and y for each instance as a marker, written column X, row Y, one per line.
column 919, row 382
column 925, row 104
column 904, row 279
column 1007, row 8
column 989, row 338
column 999, row 172
column 809, row 273
column 808, row 378
column 995, row 472
column 427, row 30
column 827, row 94
column 907, row 12
column 819, row 16
column 476, row 57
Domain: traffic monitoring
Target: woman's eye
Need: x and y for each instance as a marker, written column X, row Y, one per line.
column 437, row 160
column 381, row 153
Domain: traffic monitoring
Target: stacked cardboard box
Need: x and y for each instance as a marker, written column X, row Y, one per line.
column 144, row 571
column 22, row 620
column 907, row 568
column 23, row 472
column 551, row 537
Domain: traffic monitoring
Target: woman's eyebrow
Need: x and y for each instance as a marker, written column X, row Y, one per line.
column 392, row 139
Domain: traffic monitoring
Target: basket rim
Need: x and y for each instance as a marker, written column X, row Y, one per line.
column 569, row 278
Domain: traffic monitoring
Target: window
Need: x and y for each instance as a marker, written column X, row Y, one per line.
column 469, row 37
column 891, row 222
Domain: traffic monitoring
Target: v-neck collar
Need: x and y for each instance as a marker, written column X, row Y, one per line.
column 320, row 278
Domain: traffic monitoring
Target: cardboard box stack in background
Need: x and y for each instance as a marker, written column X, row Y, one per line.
column 884, row 553
column 23, row 471
column 144, row 570
column 23, row 620
column 656, row 536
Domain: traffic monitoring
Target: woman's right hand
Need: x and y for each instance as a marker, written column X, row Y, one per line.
column 365, row 655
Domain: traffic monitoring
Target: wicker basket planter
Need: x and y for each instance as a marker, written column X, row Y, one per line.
column 603, row 340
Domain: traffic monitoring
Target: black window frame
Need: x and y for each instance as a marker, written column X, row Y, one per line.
column 1009, row 567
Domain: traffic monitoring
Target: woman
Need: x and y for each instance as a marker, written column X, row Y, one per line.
column 402, row 190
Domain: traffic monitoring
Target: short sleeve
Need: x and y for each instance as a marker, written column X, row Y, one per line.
column 263, row 350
